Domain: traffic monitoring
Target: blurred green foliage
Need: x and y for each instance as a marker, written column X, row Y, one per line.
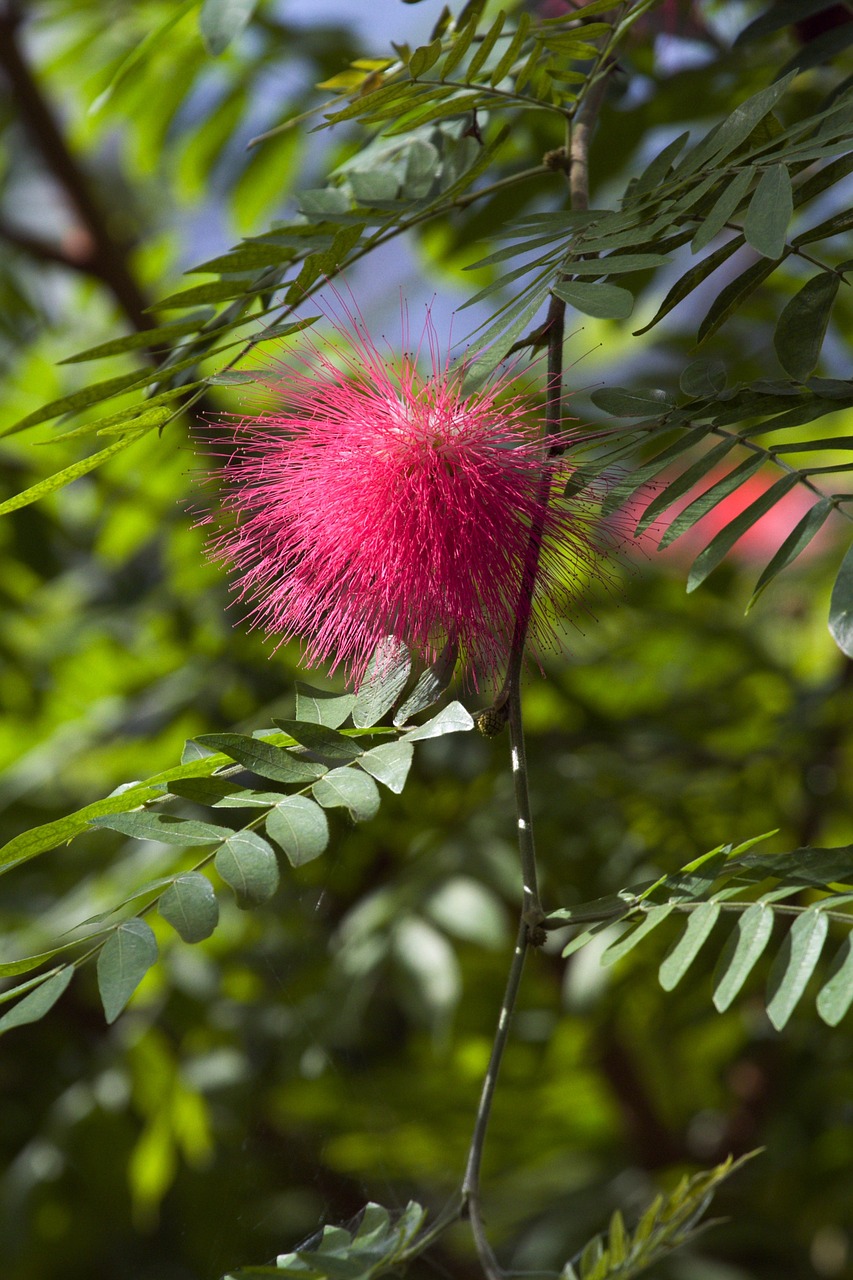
column 327, row 1048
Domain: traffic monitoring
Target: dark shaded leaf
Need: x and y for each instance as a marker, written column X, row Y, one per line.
column 691, row 280
column 718, row 492
column 769, row 214
column 729, row 299
column 622, row 402
column 802, row 325
column 684, row 483
column 841, row 606
column 707, row 561
column 262, row 758
column 605, row 301
column 320, row 739
column 797, row 540
column 722, row 209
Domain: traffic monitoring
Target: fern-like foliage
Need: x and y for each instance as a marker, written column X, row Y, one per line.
column 264, row 793
column 808, row 891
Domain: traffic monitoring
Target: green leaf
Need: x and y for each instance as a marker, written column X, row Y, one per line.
column 680, row 957
column 123, row 962
column 389, row 764
column 722, row 209
column 769, row 214
column 684, row 482
column 730, row 298
column 322, row 706
column 620, row 948
column 318, row 738
column 299, row 826
column 141, row 50
column 836, row 994
column 605, row 301
column 431, row 684
column 165, row 336
column 841, row 606
column 795, row 964
column 703, row 378
column 190, row 906
column 382, row 683
column 691, row 280
column 801, row 327
column 348, row 788
column 742, row 951
column 707, row 561
column 165, row 827
column 451, row 719
column 61, row 478
column 712, row 497
column 658, row 169
column 616, row 264
column 222, row 21
column 797, row 540
column 728, row 136
column 248, row 865
column 35, row 1005
column 487, row 43
column 262, row 758
column 424, row 58
column 621, row 402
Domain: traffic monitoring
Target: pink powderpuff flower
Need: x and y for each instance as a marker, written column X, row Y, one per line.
column 379, row 500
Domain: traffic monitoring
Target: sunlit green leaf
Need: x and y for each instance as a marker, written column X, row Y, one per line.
column 836, row 994
column 389, row 764
column 350, row 789
column 841, row 606
column 382, row 683
column 741, row 953
column 795, row 964
column 680, row 957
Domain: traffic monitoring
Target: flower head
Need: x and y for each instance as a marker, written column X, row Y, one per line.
column 381, row 500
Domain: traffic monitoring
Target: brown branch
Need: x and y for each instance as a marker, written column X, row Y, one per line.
column 108, row 258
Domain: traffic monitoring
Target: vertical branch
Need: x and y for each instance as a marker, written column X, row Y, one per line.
column 508, row 702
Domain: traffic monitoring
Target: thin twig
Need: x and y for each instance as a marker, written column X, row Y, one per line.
column 471, row 1183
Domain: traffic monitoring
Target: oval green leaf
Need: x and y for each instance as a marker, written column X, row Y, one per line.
column 190, row 906
column 389, row 764
column 35, row 1005
column 123, row 962
column 841, row 606
column 801, row 327
column 836, row 994
column 680, row 957
column 743, row 949
column 604, row 301
column 769, row 214
column 299, row 826
column 351, row 789
column 795, row 964
column 248, row 865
